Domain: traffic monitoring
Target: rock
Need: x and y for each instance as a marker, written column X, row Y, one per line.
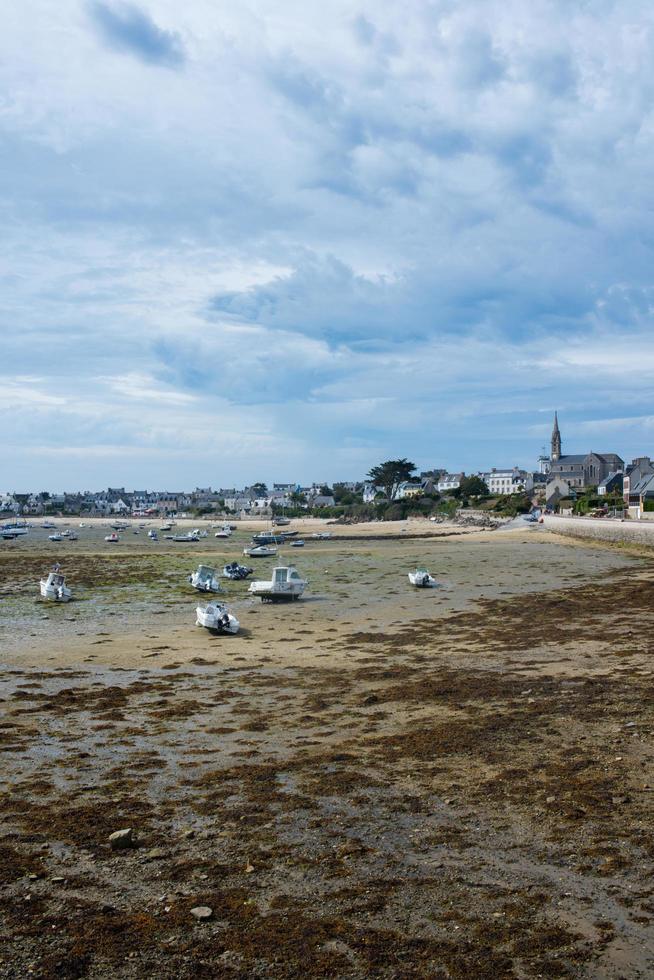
column 121, row 839
column 156, row 854
column 57, row 879
column 249, row 868
column 189, row 834
column 551, row 799
column 202, row 912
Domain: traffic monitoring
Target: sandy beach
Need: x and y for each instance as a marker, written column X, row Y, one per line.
column 374, row 781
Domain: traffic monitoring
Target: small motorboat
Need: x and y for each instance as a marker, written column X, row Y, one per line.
column 236, row 572
column 224, row 532
column 166, row 527
column 71, row 536
column 82, row 524
column 66, row 533
column 48, row 524
column 216, row 617
column 422, row 579
column 54, row 586
column 298, row 543
column 204, row 579
column 281, row 521
column 112, row 538
column 284, row 586
column 55, row 537
column 153, row 535
column 186, row 538
column 261, row 551
column 321, row 535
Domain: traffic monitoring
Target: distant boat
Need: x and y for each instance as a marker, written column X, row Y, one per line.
column 190, row 536
column 321, row 535
column 112, row 538
column 261, row 551
column 153, row 535
column 55, row 537
column 281, row 521
column 298, row 543
column 48, row 524
column 14, row 529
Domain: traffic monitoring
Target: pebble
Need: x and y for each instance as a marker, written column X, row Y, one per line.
column 156, row 854
column 121, row 839
column 202, row 912
column 57, row 879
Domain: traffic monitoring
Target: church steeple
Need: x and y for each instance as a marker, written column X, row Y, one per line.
column 556, row 440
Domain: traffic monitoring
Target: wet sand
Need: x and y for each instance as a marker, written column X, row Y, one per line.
column 374, row 781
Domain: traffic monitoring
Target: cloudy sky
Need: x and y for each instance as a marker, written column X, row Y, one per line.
column 287, row 239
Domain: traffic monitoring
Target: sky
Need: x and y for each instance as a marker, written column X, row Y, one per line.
column 285, row 240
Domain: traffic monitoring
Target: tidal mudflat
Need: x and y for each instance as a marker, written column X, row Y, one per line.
column 373, row 782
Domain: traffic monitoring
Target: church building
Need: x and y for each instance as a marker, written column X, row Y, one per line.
column 577, row 471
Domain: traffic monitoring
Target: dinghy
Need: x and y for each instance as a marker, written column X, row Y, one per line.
column 236, row 572
column 112, row 538
column 54, row 586
column 422, row 579
column 216, row 617
column 205, row 579
column 54, row 537
column 185, row 538
column 285, row 585
column 298, row 543
column 261, row 551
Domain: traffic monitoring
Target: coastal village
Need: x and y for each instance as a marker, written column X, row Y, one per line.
column 596, row 483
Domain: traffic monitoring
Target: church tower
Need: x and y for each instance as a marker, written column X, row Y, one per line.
column 556, row 440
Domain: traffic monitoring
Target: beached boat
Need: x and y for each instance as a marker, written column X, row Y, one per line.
column 236, row 572
column 71, row 536
column 153, row 535
column 216, row 617
column 54, row 587
column 48, row 525
column 422, row 579
column 281, row 521
column 321, row 535
column 261, row 551
column 205, row 579
column 285, row 585
column 166, row 527
column 112, row 538
column 298, row 543
column 54, row 537
column 224, row 532
column 272, row 537
column 14, row 529
column 190, row 536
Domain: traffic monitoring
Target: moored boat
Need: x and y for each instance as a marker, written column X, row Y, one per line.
column 216, row 617
column 54, row 586
column 261, row 551
column 236, row 572
column 204, row 579
column 422, row 579
column 285, row 585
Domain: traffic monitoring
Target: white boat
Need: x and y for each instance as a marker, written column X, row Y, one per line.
column 14, row 529
column 236, row 572
column 189, row 536
column 204, row 579
column 224, row 532
column 166, row 527
column 285, row 585
column 54, row 537
column 82, row 524
column 321, row 535
column 216, row 617
column 281, row 521
column 422, row 579
column 298, row 543
column 54, row 586
column 153, row 535
column 261, row 551
column 71, row 536
column 112, row 538
column 48, row 525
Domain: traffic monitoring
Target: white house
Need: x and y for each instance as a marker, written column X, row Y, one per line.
column 408, row 489
column 449, row 481
column 370, row 491
column 505, row 481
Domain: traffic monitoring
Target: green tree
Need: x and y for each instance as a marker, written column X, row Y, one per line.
column 473, row 486
column 391, row 474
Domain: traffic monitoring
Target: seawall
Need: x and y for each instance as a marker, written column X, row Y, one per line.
column 603, row 529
